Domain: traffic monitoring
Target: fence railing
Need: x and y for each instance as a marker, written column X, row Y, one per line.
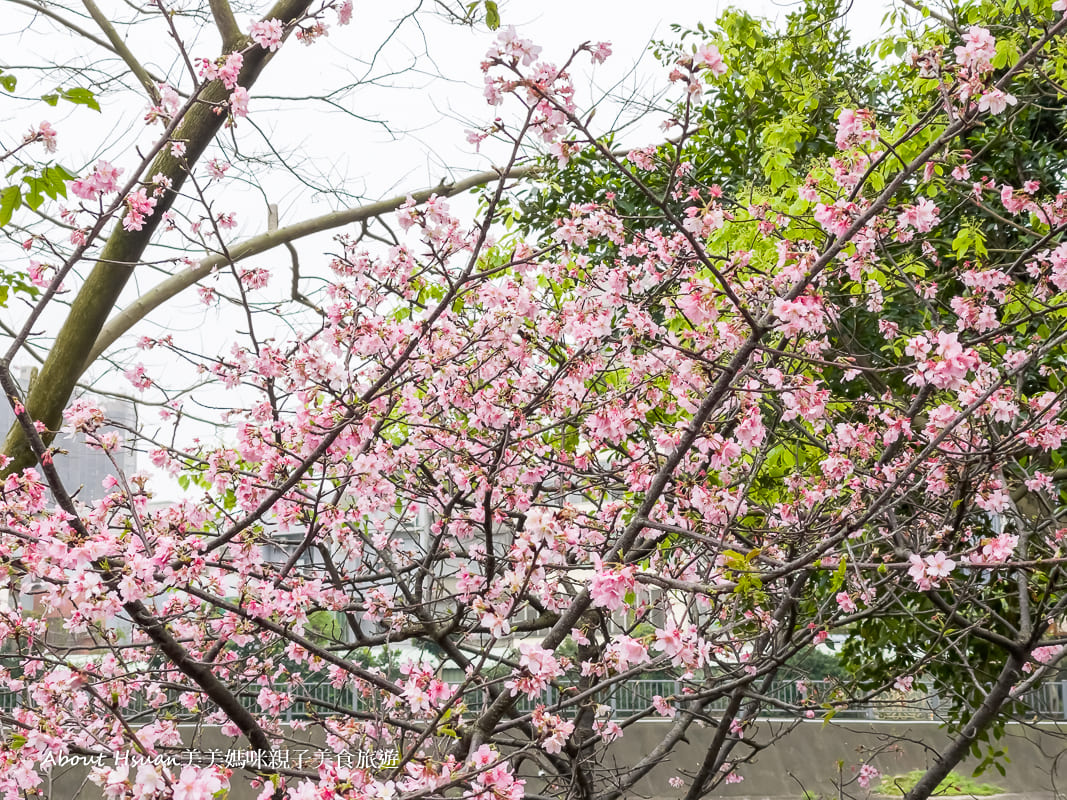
column 784, row 699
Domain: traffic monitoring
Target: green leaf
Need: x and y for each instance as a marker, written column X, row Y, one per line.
column 962, row 243
column 839, row 575
column 10, row 199
column 81, row 97
column 34, row 196
column 492, row 15
column 55, row 181
column 7, row 81
column 78, row 95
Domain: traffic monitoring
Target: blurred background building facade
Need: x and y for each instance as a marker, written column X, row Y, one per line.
column 83, row 468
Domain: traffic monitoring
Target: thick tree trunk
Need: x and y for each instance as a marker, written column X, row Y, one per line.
column 979, row 721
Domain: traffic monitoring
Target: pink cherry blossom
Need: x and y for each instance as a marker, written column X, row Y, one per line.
column 978, row 50
column 708, row 57
column 268, row 33
column 239, row 102
column 922, row 216
column 996, row 101
column 609, row 586
column 855, row 127
column 600, row 52
column 867, row 774
column 195, row 783
column 138, row 207
column 45, row 134
column 474, row 474
column 102, row 180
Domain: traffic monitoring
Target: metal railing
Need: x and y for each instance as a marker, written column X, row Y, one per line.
column 784, row 699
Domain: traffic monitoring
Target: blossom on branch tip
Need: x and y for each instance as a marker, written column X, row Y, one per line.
column 855, row 127
column 509, row 45
column 45, row 134
column 225, row 68
column 867, row 774
column 978, row 50
column 239, row 102
column 138, row 207
column 996, row 101
column 600, row 52
column 216, row 168
column 102, row 180
column 267, row 34
column 708, row 57
column 310, row 34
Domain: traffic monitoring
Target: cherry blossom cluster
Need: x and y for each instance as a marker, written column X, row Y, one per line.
column 45, row 134
column 690, row 69
column 102, row 180
column 975, row 61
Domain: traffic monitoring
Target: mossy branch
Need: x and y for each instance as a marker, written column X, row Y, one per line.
column 174, row 285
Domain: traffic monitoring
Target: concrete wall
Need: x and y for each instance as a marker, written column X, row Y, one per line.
column 806, row 759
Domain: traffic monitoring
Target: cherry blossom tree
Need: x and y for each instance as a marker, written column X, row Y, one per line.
column 490, row 475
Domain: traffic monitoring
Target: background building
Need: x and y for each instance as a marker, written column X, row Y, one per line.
column 83, row 468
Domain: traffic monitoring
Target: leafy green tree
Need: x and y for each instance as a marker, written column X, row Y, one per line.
column 757, row 141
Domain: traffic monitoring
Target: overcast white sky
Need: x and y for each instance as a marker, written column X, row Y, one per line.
column 434, row 116
column 426, row 92
column 424, row 108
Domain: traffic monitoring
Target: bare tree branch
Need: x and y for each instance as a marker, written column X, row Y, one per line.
column 155, row 297
column 122, row 49
column 226, row 23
